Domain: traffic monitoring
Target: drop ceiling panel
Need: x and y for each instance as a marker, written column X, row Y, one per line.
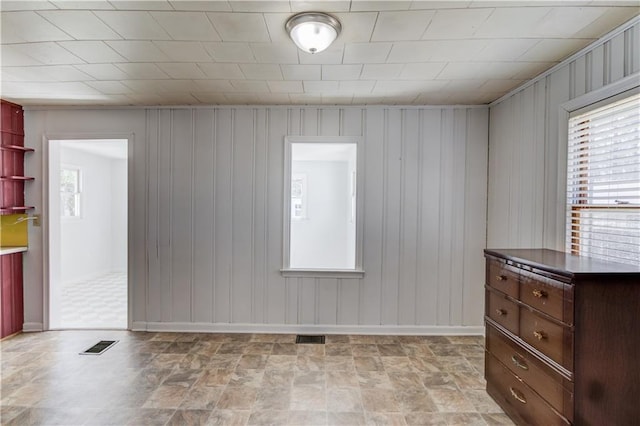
column 164, row 52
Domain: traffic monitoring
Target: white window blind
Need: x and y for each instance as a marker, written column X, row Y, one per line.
column 603, row 182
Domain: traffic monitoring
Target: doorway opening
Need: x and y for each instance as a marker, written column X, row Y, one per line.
column 88, row 234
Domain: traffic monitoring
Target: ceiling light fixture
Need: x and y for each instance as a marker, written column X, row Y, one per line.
column 313, row 32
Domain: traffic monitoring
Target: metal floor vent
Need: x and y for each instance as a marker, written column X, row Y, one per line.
column 310, row 339
column 99, row 347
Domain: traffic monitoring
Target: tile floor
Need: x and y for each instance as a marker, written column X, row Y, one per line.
column 97, row 303
column 243, row 379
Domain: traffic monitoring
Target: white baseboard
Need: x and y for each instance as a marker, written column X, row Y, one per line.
column 416, row 330
column 31, row 327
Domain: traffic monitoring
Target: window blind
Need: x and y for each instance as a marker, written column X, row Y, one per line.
column 603, row 182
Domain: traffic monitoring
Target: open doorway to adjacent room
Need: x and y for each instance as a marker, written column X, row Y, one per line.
column 88, row 234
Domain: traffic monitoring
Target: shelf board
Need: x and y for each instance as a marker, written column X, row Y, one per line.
column 15, row 148
column 16, row 178
column 15, row 209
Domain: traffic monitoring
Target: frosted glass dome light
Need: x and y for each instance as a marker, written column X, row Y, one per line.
column 313, row 32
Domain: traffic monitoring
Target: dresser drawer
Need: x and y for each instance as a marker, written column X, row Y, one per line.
column 503, row 311
column 539, row 377
column 502, row 277
column 544, row 294
column 517, row 398
column 550, row 338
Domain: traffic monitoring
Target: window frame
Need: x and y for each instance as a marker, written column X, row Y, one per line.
column 621, row 89
column 77, row 194
column 358, row 270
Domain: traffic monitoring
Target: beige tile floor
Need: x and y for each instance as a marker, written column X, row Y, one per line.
column 243, row 379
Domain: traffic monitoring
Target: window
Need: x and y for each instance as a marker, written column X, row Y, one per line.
column 70, row 192
column 603, row 182
column 321, row 192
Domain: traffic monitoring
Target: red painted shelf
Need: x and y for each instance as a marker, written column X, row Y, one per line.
column 15, row 208
column 16, row 148
column 16, row 178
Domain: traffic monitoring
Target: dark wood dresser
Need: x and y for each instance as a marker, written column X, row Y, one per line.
column 562, row 338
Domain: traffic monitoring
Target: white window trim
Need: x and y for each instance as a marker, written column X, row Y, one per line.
column 287, row 271
column 627, row 86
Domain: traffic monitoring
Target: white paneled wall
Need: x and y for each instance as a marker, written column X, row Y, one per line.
column 527, row 156
column 207, row 207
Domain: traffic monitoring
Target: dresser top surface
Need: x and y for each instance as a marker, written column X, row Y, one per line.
column 562, row 263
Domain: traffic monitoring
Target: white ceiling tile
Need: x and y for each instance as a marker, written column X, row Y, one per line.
column 374, row 6
column 80, row 24
column 320, row 86
column 305, row 99
column 187, row 26
column 476, row 70
column 47, row 53
column 44, row 73
column 357, row 27
column 285, row 86
column 93, row 52
column 141, row 5
column 401, row 25
column 411, row 51
column 15, row 55
column 260, row 6
column 210, row 98
column 465, row 85
column 341, row 72
column 367, row 100
column 230, row 52
column 406, row 87
column 456, row 50
column 381, row 71
column 553, row 49
column 84, row 5
column 110, row 87
column 447, row 4
column 240, row 26
column 252, row 86
column 527, row 70
column 241, row 98
column 184, row 51
column 337, row 99
column 142, row 71
column 182, row 71
column 199, row 5
column 504, row 49
column 357, row 87
column 613, row 18
column 65, row 90
column 139, row 51
column 501, row 85
column 424, row 70
column 221, row 71
column 214, row 85
column 161, row 86
column 275, row 25
column 366, row 53
column 103, row 71
column 513, row 22
column 333, row 55
column 145, row 98
column 21, row 5
column 328, row 6
column 133, row 25
column 275, row 53
column 19, row 27
column 566, row 21
column 301, row 72
column 455, row 23
column 274, row 98
column 261, row 71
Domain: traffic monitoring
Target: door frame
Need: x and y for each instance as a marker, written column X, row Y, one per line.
column 45, row 223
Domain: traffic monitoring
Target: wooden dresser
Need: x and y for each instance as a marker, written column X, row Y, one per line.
column 562, row 338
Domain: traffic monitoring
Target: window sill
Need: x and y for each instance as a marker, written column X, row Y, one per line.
column 322, row 273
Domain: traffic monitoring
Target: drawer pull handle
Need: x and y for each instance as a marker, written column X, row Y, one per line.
column 518, row 395
column 539, row 335
column 501, row 277
column 539, row 293
column 501, row 312
column 519, row 362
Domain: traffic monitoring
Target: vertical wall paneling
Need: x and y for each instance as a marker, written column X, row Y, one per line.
column 527, row 161
column 211, row 215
